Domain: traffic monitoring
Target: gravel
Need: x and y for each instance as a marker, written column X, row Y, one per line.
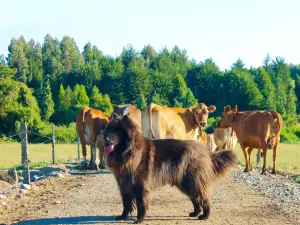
column 274, row 186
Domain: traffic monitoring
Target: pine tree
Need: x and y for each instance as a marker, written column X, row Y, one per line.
column 297, row 92
column 61, row 106
column 266, row 87
column 141, row 102
column 100, row 101
column 47, row 104
column 80, row 96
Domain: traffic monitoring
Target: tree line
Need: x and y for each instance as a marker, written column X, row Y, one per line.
column 52, row 81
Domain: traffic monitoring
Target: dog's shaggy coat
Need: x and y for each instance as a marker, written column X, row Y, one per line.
column 141, row 165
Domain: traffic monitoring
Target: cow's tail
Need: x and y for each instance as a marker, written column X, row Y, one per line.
column 222, row 162
column 150, row 120
column 85, row 109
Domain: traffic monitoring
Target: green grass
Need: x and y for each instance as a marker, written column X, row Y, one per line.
column 288, row 156
column 39, row 154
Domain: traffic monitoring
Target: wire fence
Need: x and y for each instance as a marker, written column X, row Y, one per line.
column 26, row 134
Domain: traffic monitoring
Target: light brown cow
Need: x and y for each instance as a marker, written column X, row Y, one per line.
column 254, row 129
column 210, row 143
column 178, row 123
column 225, row 138
column 134, row 114
column 90, row 125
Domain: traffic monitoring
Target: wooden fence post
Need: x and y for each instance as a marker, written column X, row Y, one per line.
column 24, row 146
column 78, row 148
column 53, row 144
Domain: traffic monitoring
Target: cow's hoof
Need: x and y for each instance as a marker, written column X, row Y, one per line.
column 274, row 171
column 264, row 172
column 102, row 166
column 246, row 170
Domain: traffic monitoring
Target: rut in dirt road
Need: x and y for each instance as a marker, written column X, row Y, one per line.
column 95, row 199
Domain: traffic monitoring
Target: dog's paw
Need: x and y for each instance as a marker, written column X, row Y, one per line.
column 138, row 221
column 203, row 217
column 121, row 217
column 193, row 214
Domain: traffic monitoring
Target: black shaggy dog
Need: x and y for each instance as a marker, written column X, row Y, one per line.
column 141, row 165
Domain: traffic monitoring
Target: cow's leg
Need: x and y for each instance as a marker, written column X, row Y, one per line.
column 101, row 155
column 85, row 161
column 93, row 161
column 265, row 161
column 246, row 158
column 249, row 150
column 274, row 156
column 258, row 156
column 92, row 158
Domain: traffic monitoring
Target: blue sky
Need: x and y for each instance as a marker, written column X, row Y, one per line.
column 223, row 30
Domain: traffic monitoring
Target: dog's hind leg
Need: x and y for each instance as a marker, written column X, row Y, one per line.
column 206, row 209
column 187, row 186
column 197, row 208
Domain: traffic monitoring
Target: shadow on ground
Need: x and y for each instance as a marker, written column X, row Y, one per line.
column 72, row 220
column 95, row 220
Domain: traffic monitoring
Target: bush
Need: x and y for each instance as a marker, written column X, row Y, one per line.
column 290, row 132
column 212, row 124
column 63, row 134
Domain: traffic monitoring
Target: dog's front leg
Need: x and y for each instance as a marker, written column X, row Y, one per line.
column 127, row 200
column 142, row 198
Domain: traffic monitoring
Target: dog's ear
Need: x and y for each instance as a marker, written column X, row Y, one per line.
column 125, row 111
column 127, row 122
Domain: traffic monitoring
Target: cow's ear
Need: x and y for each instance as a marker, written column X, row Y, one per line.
column 235, row 109
column 192, row 108
column 211, row 108
column 227, row 109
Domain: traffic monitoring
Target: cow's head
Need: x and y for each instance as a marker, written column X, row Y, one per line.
column 228, row 116
column 201, row 112
column 119, row 112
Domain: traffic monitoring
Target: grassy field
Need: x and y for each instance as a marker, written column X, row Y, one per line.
column 288, row 155
column 10, row 154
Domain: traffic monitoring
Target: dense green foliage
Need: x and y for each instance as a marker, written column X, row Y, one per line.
column 53, row 81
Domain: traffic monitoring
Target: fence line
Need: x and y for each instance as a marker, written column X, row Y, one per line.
column 24, row 150
column 23, row 135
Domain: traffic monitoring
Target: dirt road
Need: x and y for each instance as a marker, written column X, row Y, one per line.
column 94, row 199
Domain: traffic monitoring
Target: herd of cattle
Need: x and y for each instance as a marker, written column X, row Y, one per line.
column 258, row 129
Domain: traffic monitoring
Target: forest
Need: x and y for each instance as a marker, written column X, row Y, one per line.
column 51, row 81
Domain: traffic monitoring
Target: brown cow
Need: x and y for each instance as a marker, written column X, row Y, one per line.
column 134, row 114
column 178, row 123
column 90, row 125
column 254, row 129
column 210, row 143
column 225, row 138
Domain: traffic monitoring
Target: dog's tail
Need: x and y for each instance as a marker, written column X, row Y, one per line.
column 222, row 162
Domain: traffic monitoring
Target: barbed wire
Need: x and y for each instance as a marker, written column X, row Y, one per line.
column 47, row 141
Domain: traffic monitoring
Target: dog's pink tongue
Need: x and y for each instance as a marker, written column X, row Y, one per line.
column 109, row 149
